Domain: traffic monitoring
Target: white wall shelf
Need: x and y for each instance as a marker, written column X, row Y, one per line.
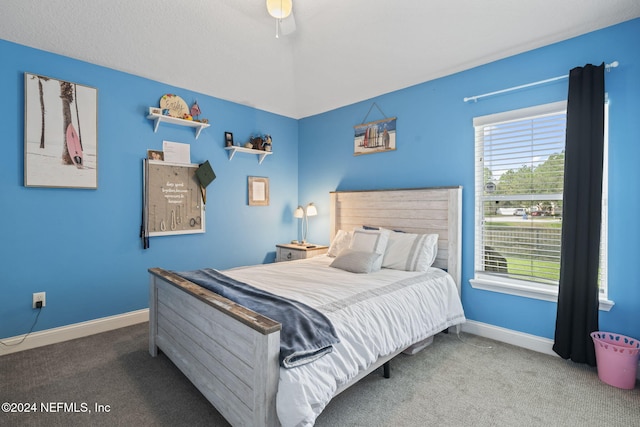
column 235, row 149
column 159, row 118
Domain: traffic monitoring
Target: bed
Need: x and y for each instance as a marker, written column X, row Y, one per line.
column 231, row 353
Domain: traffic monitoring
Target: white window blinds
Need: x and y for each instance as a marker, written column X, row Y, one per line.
column 519, row 185
column 519, row 188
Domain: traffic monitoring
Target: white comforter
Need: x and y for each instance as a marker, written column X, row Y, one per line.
column 374, row 315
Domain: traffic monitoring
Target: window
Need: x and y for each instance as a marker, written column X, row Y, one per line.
column 519, row 188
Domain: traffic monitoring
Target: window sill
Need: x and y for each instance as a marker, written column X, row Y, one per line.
column 527, row 291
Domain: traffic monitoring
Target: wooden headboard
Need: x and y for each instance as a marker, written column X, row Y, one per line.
column 413, row 210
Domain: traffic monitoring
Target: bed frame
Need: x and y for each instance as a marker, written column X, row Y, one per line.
column 230, row 353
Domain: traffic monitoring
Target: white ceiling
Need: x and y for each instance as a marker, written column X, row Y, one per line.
column 343, row 51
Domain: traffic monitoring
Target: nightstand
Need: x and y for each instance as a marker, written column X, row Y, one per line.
column 291, row 251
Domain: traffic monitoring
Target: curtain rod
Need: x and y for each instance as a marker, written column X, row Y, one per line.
column 608, row 67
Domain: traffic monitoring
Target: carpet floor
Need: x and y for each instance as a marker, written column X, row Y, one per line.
column 109, row 379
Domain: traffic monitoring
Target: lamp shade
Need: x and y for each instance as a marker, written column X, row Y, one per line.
column 298, row 213
column 279, row 9
column 311, row 210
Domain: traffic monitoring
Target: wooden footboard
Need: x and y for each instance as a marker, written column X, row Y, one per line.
column 227, row 351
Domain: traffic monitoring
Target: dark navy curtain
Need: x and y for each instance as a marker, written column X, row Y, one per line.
column 577, row 314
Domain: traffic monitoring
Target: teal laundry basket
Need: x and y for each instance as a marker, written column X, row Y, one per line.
column 617, row 358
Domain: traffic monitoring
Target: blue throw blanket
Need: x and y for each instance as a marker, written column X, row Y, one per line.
column 306, row 333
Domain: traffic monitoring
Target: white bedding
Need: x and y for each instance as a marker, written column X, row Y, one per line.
column 394, row 309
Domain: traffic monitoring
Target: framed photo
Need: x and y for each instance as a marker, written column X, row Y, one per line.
column 258, row 191
column 60, row 133
column 228, row 139
column 155, row 155
column 375, row 137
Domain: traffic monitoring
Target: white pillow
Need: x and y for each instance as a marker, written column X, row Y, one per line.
column 371, row 241
column 341, row 241
column 410, row 252
column 356, row 261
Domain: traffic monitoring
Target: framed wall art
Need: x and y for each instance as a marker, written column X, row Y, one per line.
column 375, row 137
column 228, row 139
column 60, row 133
column 258, row 191
column 173, row 199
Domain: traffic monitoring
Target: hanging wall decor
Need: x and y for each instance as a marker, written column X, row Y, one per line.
column 258, row 191
column 173, row 199
column 60, row 133
column 374, row 137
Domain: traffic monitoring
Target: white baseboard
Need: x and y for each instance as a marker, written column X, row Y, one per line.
column 509, row 336
column 76, row 330
column 104, row 324
column 520, row 339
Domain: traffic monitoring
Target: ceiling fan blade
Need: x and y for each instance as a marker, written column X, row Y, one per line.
column 288, row 25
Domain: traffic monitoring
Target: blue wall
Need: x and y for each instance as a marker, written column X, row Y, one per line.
column 435, row 147
column 81, row 247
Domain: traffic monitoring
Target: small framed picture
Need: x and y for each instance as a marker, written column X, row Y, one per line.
column 155, row 110
column 375, row 137
column 228, row 139
column 155, row 155
column 258, row 191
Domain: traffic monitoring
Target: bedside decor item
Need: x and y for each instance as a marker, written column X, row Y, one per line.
column 228, row 139
column 52, row 159
column 304, row 214
column 258, row 191
column 299, row 213
column 176, row 105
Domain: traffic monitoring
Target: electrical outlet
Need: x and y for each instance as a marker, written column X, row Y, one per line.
column 39, row 297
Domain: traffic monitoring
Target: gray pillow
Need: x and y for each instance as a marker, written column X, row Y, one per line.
column 356, row 261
